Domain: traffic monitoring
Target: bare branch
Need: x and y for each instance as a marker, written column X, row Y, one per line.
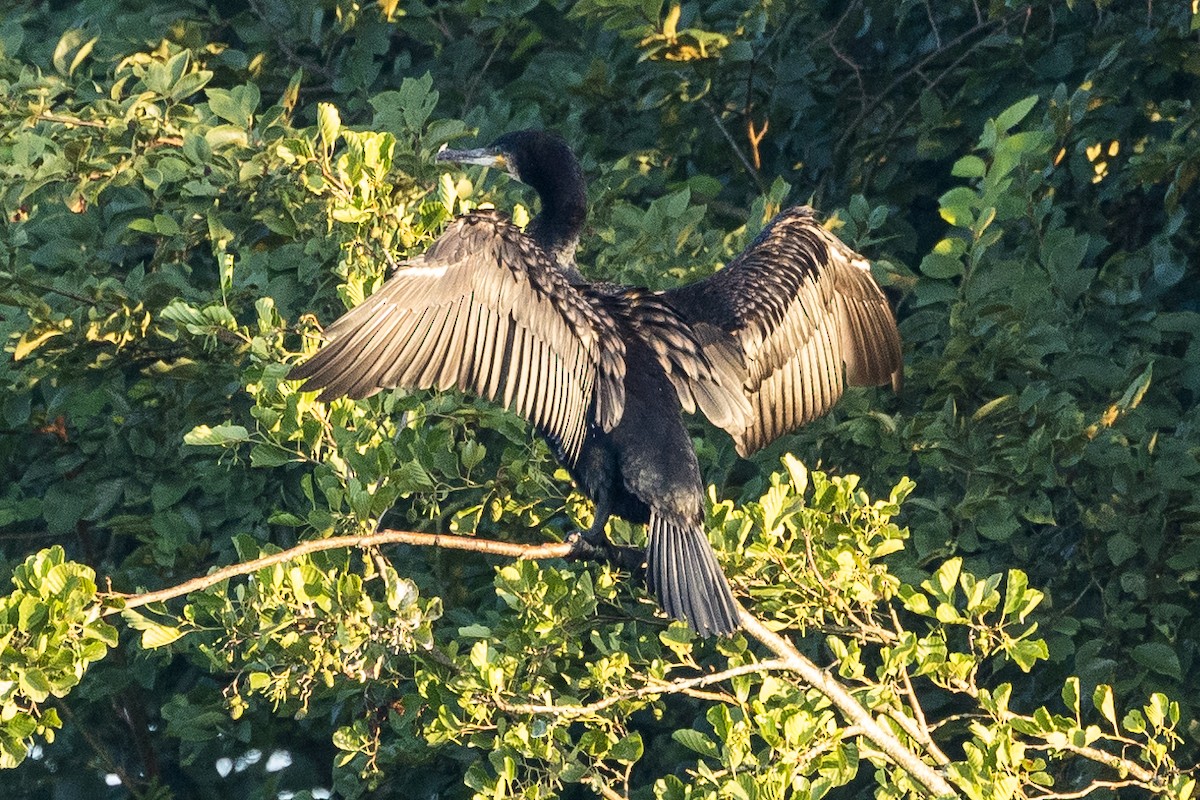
column 1144, row 776
column 607, row 792
column 823, row 682
column 737, row 150
column 384, row 537
column 1085, row 791
column 877, row 100
column 921, row 732
column 98, row 747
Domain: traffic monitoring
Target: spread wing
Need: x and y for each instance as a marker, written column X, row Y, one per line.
column 809, row 318
column 485, row 311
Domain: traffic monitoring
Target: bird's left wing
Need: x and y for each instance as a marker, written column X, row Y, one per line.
column 483, row 310
column 809, row 319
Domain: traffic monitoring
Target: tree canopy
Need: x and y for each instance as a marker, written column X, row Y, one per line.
column 985, row 585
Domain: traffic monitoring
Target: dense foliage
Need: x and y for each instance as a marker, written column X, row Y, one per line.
column 189, row 189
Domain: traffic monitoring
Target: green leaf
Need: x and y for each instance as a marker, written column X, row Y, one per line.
column 1015, row 113
column 221, row 435
column 992, row 406
column 1160, row 658
column 270, row 455
column 154, row 634
column 697, row 742
column 329, row 125
column 412, row 477
column 34, row 684
column 1121, row 548
column 30, row 341
column 942, row 584
column 189, row 84
column 915, row 602
column 236, row 106
column 1102, row 699
column 1070, row 694
column 81, row 54
column 628, row 750
column 969, row 166
column 936, row 265
column 67, row 43
column 1028, row 652
column 1137, row 390
column 1134, row 721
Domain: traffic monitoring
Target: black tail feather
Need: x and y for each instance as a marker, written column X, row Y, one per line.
column 682, row 571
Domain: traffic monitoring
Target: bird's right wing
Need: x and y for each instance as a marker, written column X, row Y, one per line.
column 485, row 311
column 809, row 319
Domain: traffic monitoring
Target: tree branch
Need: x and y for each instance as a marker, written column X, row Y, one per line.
column 98, row 747
column 870, row 105
column 659, row 687
column 1085, row 791
column 573, row 548
column 823, row 682
column 1146, row 777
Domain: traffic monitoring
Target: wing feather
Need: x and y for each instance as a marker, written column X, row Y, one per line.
column 809, row 319
column 483, row 310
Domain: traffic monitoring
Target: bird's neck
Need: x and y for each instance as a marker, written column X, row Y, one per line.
column 556, row 229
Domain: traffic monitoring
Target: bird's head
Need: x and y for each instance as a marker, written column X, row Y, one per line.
column 536, row 158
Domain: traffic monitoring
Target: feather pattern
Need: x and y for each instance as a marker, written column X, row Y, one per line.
column 703, row 363
column 809, row 319
column 685, row 576
column 484, row 310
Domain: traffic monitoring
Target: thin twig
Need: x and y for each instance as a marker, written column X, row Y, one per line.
column 607, row 792
column 473, row 84
column 737, row 150
column 756, row 137
column 47, row 289
column 62, row 119
column 97, row 746
column 922, row 734
column 868, row 107
column 283, row 40
column 1143, row 775
column 1084, row 792
column 712, row 697
column 656, row 687
column 937, row 35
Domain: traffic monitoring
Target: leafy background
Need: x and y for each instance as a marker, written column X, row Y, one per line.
column 184, row 182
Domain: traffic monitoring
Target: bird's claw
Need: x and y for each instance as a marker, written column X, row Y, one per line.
column 599, row 548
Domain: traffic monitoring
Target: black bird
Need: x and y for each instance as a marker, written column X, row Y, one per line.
column 603, row 371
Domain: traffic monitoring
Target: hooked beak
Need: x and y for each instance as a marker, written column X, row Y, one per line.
column 482, row 156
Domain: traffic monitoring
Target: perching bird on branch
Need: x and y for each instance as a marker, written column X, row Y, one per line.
column 604, row 371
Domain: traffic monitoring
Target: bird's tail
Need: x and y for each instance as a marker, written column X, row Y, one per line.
column 682, row 571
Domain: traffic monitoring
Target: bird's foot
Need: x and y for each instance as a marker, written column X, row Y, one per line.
column 587, row 545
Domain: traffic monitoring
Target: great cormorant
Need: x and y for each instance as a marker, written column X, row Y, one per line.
column 604, row 371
